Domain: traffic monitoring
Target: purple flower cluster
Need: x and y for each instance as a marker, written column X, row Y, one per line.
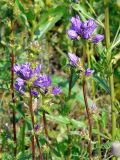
column 37, row 80
column 83, row 29
column 73, row 60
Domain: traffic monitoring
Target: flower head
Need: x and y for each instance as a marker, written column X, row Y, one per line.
column 34, row 92
column 72, row 34
column 43, row 81
column 56, row 90
column 87, row 28
column 23, row 70
column 88, row 72
column 94, row 107
column 19, row 85
column 75, row 23
column 97, row 38
column 37, row 69
column 37, row 127
column 83, row 29
column 73, row 59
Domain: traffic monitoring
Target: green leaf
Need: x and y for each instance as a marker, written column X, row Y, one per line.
column 102, row 83
column 65, row 120
column 20, row 6
column 48, row 20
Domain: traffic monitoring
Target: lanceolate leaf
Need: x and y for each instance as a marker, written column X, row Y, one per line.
column 102, row 83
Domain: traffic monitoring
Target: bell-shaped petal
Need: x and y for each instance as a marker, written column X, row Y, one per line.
column 73, row 59
column 88, row 72
column 56, row 90
column 72, row 34
column 19, row 85
column 98, row 38
column 43, row 81
column 37, row 69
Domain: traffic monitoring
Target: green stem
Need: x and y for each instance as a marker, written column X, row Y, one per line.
column 70, row 83
column 46, row 131
column 23, row 137
column 93, row 94
column 98, row 138
column 111, row 78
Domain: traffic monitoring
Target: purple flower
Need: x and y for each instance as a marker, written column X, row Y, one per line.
column 16, row 68
column 19, row 85
column 87, row 28
column 73, row 59
column 84, row 29
column 34, row 92
column 43, row 81
column 37, row 69
column 72, row 34
column 46, row 91
column 97, row 38
column 23, row 70
column 93, row 107
column 88, row 72
column 37, row 127
column 75, row 23
column 56, row 90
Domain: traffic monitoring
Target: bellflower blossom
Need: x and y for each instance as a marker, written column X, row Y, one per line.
column 73, row 59
column 19, row 85
column 88, row 72
column 37, row 69
column 34, row 92
column 83, row 29
column 72, row 34
column 23, row 70
column 56, row 90
column 97, row 38
column 43, row 81
column 35, row 80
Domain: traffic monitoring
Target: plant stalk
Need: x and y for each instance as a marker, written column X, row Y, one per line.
column 88, row 117
column 111, row 78
column 34, row 136
column 93, row 94
column 46, row 131
column 32, row 118
column 70, row 83
column 13, row 101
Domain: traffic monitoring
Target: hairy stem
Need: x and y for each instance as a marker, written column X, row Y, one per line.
column 13, row 100
column 88, row 117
